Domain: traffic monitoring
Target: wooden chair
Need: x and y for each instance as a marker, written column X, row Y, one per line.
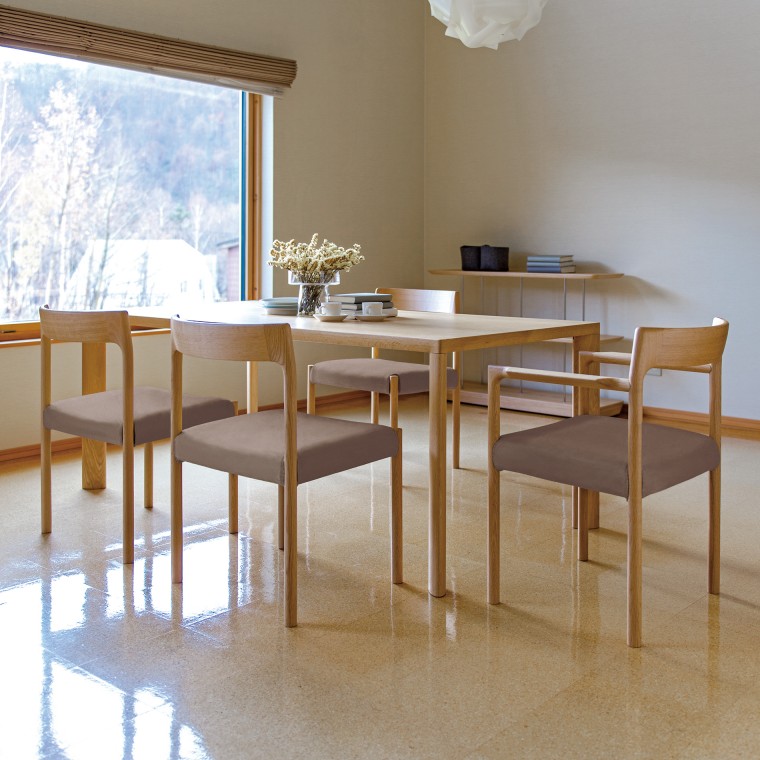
column 278, row 446
column 146, row 412
column 394, row 378
column 626, row 458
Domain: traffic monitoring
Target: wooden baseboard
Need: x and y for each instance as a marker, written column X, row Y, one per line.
column 32, row 452
column 732, row 427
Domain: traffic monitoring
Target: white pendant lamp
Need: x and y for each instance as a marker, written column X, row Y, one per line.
column 487, row 23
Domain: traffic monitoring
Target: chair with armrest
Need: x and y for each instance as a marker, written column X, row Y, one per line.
column 104, row 416
column 627, row 458
column 394, row 378
column 277, row 446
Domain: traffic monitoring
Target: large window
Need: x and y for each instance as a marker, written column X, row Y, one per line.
column 117, row 188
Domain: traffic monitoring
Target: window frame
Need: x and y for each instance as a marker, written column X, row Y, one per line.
column 250, row 208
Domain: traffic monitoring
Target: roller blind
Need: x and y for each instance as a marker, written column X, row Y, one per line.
column 43, row 33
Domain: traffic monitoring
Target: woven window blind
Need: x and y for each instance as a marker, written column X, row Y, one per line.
column 69, row 38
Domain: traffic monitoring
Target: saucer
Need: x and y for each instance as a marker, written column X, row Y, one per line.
column 370, row 317
column 330, row 317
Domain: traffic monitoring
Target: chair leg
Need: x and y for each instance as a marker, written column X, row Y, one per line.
column 46, row 499
column 176, row 519
column 232, row 507
column 311, row 394
column 493, row 569
column 128, row 508
column 148, row 475
column 291, row 556
column 714, row 540
column 281, row 517
column 583, row 509
column 455, row 427
column 634, row 571
column 375, row 408
column 397, row 530
column 393, row 401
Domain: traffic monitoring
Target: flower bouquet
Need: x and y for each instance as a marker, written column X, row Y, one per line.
column 313, row 267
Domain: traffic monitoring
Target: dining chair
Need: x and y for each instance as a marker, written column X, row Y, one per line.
column 105, row 416
column 627, row 458
column 277, row 446
column 394, row 378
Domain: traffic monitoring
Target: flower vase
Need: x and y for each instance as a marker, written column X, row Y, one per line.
column 312, row 290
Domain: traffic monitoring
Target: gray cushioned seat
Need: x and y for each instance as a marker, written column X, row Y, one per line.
column 592, row 452
column 373, row 375
column 253, row 445
column 98, row 416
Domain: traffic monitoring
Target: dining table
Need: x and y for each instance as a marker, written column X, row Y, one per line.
column 437, row 335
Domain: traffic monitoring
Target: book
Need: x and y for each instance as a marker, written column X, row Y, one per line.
column 360, row 297
column 358, row 306
column 538, row 259
column 351, row 314
column 562, row 269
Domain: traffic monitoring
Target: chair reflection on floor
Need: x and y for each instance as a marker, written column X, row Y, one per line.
column 277, row 446
column 629, row 458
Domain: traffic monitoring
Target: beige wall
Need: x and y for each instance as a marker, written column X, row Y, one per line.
column 625, row 133
column 348, row 151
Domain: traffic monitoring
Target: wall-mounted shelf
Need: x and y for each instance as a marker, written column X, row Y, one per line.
column 528, row 400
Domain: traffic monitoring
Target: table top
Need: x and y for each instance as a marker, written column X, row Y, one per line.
column 410, row 331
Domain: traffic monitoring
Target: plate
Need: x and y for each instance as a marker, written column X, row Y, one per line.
column 330, row 317
column 370, row 318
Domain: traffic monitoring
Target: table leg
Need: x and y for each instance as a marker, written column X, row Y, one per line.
column 437, row 496
column 93, row 381
column 253, row 387
column 585, row 401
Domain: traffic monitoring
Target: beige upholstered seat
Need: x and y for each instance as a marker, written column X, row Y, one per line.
column 106, row 415
column 622, row 457
column 277, row 446
column 394, row 378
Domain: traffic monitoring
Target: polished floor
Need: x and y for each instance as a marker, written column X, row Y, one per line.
column 103, row 661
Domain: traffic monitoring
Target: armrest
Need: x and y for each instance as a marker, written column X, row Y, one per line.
column 604, row 357
column 577, row 380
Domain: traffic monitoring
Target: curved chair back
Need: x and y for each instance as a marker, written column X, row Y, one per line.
column 412, row 299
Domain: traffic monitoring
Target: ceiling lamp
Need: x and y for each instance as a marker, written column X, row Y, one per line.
column 486, row 23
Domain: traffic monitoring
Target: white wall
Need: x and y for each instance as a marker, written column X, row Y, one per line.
column 348, row 156
column 625, row 133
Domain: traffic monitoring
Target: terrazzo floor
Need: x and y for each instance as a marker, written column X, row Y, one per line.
column 101, row 660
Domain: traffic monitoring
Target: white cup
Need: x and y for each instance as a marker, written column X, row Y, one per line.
column 372, row 308
column 331, row 308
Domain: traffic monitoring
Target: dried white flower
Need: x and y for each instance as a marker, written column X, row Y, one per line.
column 311, row 262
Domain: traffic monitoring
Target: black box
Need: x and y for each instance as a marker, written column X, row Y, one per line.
column 470, row 257
column 494, row 258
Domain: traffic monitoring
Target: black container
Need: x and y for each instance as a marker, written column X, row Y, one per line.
column 494, row 258
column 470, row 257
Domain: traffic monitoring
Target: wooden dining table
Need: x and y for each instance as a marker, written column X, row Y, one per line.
column 436, row 335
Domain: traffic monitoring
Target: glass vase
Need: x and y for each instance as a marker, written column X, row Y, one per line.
column 312, row 290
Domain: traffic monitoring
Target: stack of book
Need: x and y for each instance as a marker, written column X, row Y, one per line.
column 283, row 306
column 351, row 303
column 560, row 264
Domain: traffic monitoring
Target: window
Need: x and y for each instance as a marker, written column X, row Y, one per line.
column 117, row 188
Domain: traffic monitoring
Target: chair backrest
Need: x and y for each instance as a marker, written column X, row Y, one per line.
column 691, row 349
column 411, row 299
column 87, row 327
column 686, row 348
column 253, row 342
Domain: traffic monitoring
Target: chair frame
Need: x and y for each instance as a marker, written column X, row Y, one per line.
column 683, row 349
column 412, row 299
column 259, row 343
column 92, row 327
